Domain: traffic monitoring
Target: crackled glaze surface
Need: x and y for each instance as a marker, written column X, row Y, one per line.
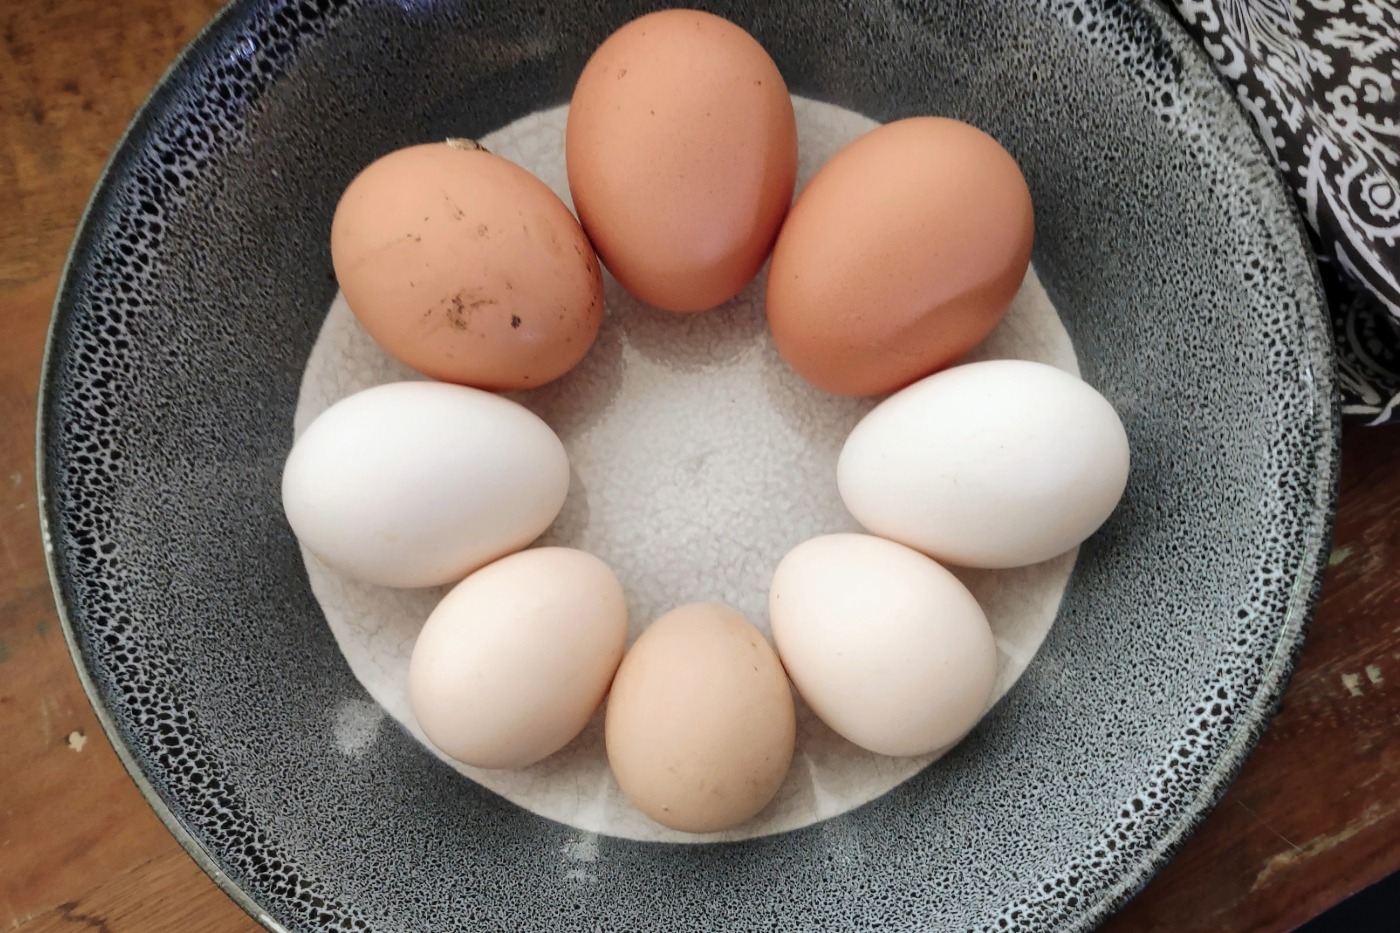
column 197, row 289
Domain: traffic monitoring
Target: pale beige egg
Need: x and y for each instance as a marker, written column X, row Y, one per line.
column 700, row 723
column 517, row 657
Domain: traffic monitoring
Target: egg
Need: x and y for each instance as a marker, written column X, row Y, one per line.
column 467, row 268
column 901, row 254
column 516, row 659
column 681, row 150
column 700, row 724
column 995, row 464
column 419, row 483
column 887, row 647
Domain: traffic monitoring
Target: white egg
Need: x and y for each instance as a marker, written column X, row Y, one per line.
column 419, row 483
column 887, row 647
column 517, row 657
column 995, row 464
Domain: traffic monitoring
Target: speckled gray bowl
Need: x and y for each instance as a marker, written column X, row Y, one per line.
column 195, row 291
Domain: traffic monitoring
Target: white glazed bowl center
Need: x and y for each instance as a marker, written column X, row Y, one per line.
column 699, row 459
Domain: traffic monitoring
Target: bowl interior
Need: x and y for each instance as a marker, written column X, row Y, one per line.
column 197, row 287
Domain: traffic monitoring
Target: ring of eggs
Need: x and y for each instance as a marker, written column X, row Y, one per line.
column 900, row 255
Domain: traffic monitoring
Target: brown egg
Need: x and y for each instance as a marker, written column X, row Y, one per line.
column 466, row 267
column 700, row 725
column 900, row 255
column 682, row 153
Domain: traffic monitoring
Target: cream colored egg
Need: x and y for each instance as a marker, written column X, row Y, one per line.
column 517, row 658
column 887, row 647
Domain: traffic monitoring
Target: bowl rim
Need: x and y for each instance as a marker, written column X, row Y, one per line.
column 1255, row 716
column 111, row 169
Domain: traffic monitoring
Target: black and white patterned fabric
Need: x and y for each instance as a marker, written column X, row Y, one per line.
column 1321, row 80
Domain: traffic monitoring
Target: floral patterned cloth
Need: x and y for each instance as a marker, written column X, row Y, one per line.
column 1321, row 80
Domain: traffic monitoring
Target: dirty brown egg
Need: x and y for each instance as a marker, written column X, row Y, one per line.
column 467, row 268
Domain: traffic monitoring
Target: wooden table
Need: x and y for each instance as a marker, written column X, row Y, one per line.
column 1314, row 817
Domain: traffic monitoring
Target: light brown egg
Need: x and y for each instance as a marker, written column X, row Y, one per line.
column 682, row 153
column 700, row 724
column 900, row 255
column 466, row 267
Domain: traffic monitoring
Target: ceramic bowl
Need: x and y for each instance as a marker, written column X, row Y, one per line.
column 198, row 283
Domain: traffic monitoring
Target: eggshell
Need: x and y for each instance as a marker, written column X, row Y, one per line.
column 420, row 483
column 517, row 657
column 700, row 725
column 466, row 267
column 994, row 464
column 887, row 647
column 900, row 255
column 682, row 153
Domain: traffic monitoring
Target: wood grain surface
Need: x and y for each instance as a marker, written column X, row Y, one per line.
column 1314, row 816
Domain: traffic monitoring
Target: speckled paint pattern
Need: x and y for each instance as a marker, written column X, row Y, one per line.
column 196, row 290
